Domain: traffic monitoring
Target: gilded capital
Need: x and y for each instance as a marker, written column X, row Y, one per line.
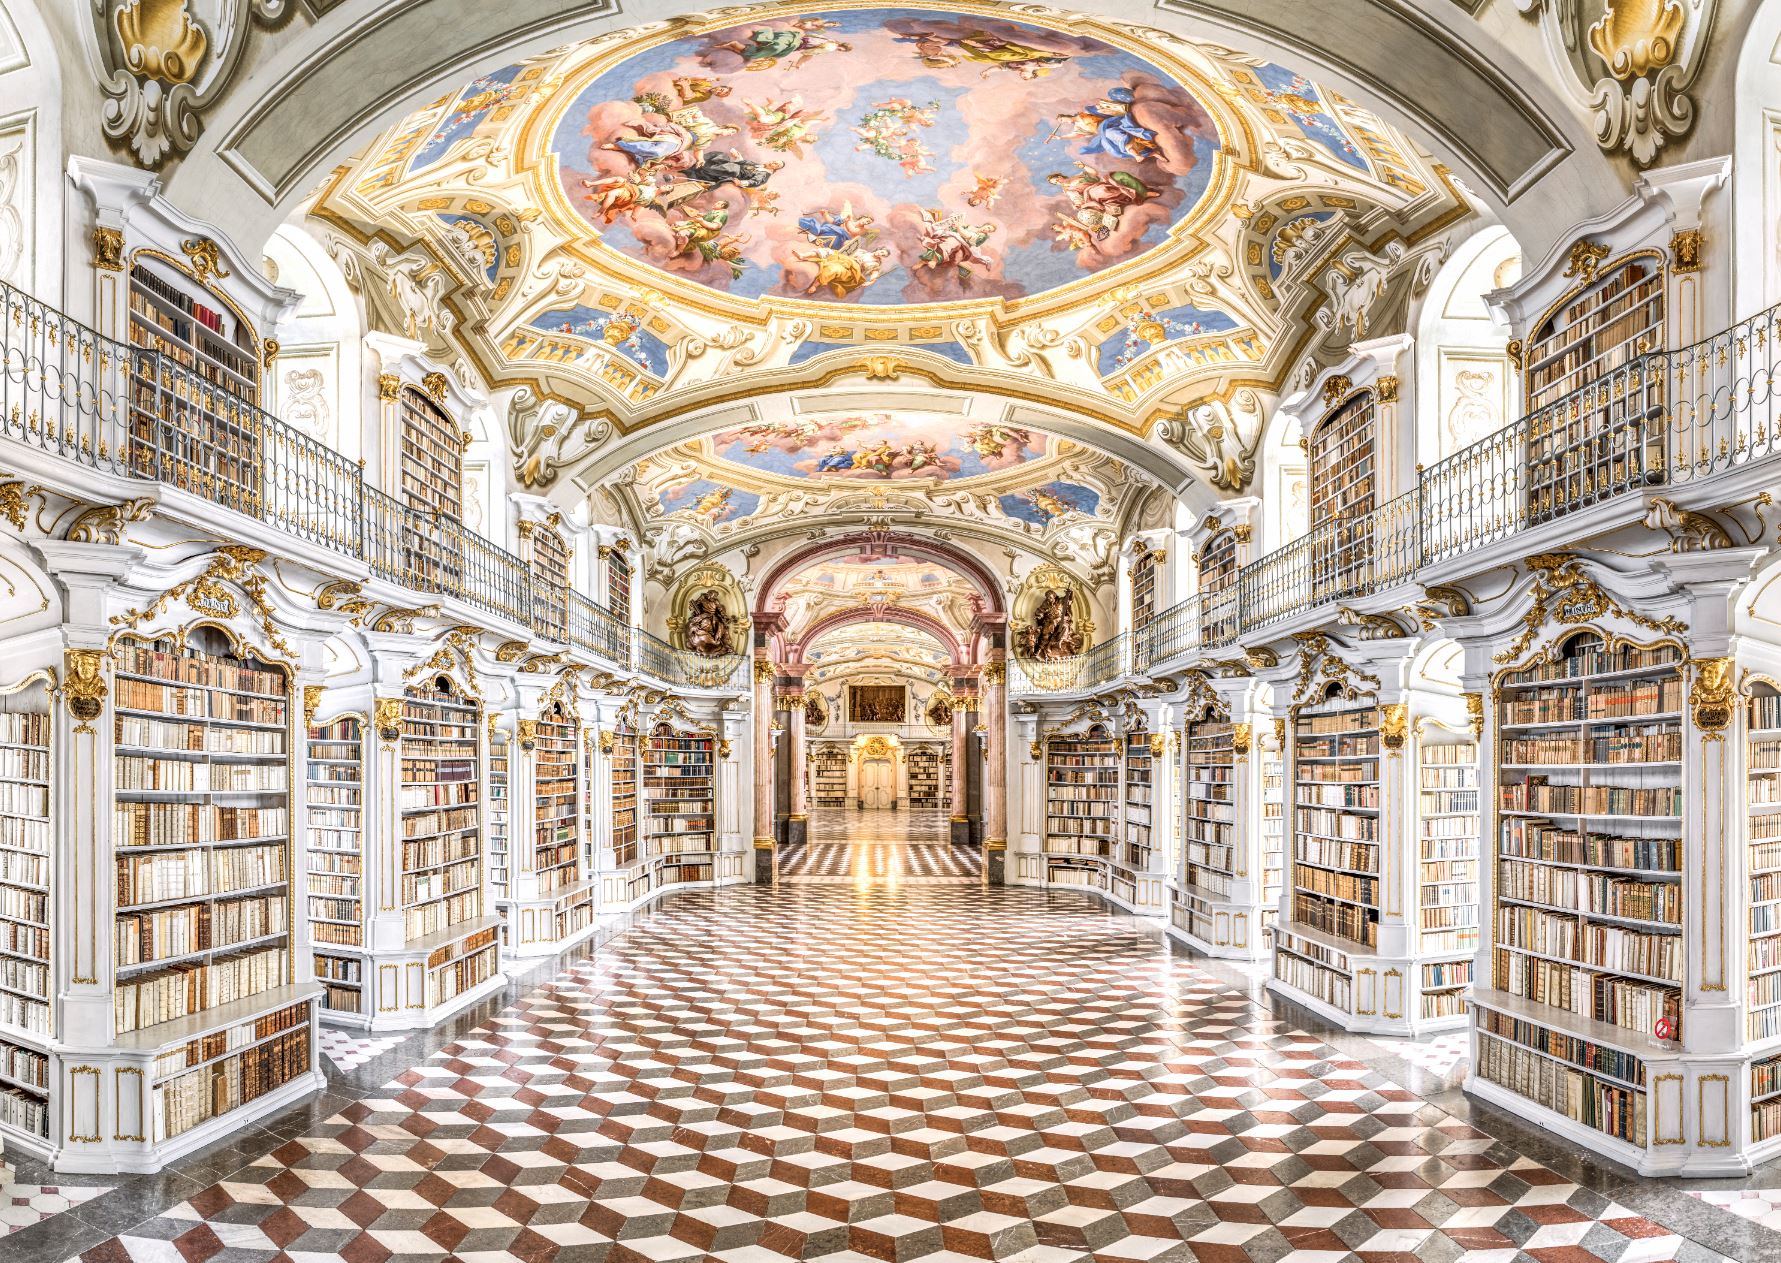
column 387, row 717
column 608, row 739
column 1475, row 710
column 1242, row 737
column 84, row 684
column 1394, row 724
column 1711, row 697
column 108, row 249
column 388, row 387
column 312, row 701
column 527, row 730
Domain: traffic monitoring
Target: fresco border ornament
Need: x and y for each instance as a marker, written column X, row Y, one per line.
column 162, row 66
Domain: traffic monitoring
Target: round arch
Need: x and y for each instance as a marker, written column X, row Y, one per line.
column 993, row 609
column 1429, row 70
column 795, row 647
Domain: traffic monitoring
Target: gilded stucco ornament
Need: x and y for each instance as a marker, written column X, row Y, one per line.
column 1394, row 724
column 15, row 500
column 1242, row 737
column 312, row 701
column 386, row 717
column 84, row 685
column 528, row 733
column 1563, row 592
column 1711, row 698
column 1631, row 64
column 233, row 571
column 1475, row 712
column 106, row 523
column 164, row 63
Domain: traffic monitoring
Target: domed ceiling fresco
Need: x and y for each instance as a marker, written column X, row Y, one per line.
column 880, row 447
column 884, row 156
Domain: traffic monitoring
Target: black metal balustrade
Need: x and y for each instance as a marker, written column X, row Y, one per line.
column 71, row 392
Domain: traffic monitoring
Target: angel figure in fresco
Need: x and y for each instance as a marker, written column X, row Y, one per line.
column 836, row 460
column 990, row 439
column 1104, row 197
column 625, row 194
column 713, row 503
column 1046, row 503
column 703, row 232
column 1109, row 128
column 992, row 52
column 1075, row 234
column 783, row 126
column 710, row 629
column 696, row 91
column 948, row 241
column 842, row 230
column 988, row 191
column 841, row 272
column 801, row 39
column 921, row 454
column 652, row 139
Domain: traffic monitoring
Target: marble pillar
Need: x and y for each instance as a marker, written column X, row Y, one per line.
column 798, row 822
column 995, row 772
column 961, row 733
column 765, row 867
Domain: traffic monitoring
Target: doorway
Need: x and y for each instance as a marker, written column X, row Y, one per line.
column 878, row 784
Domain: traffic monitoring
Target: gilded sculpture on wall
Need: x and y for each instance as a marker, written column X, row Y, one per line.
column 939, row 711
column 816, row 712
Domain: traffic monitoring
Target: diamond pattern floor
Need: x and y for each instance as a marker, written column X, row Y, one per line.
column 892, row 1072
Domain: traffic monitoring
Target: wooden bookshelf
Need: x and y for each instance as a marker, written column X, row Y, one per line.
column 196, row 424
column 441, row 810
column 1344, row 490
column 925, row 787
column 1136, row 846
column 618, row 584
column 1144, row 589
column 26, row 1025
column 828, row 776
column 500, row 813
column 1763, row 840
column 1209, row 824
column 1587, row 953
column 204, row 951
column 679, row 801
column 550, row 582
column 1446, row 870
column 1218, row 577
column 1272, row 768
column 431, row 473
column 1335, row 829
column 624, row 795
column 555, row 843
column 335, row 861
column 1082, row 789
column 1599, row 444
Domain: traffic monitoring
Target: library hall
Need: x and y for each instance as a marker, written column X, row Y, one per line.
column 890, row 631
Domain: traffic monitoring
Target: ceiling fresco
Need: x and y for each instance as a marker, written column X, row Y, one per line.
column 884, row 155
column 879, row 647
column 879, row 447
column 1144, row 231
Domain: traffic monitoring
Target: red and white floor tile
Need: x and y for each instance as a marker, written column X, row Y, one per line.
column 349, row 1052
column 892, row 1071
column 22, row 1205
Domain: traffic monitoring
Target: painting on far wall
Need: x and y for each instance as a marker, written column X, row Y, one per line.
column 877, row 703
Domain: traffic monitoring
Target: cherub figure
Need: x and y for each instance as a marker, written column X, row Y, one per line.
column 783, row 126
column 625, row 194
column 948, row 241
column 988, row 191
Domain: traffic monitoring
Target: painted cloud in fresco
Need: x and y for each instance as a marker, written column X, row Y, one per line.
column 884, row 156
column 1049, row 501
column 878, row 447
column 709, row 501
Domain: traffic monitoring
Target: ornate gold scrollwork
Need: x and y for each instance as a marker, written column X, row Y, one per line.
column 108, row 249
column 434, row 384
column 389, row 385
column 312, row 701
column 1394, row 724
column 1564, row 593
column 608, row 739
column 386, row 717
column 206, row 258
column 1475, row 710
column 1336, row 389
column 1242, row 737
column 1711, row 697
column 84, row 685
column 528, row 733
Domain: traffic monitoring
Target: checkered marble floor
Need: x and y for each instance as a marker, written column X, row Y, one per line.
column 22, row 1205
column 349, row 1052
column 846, row 824
column 892, row 1072
column 878, row 861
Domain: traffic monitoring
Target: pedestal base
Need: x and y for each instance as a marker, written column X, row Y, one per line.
column 960, row 832
column 995, row 866
column 797, row 832
column 764, row 864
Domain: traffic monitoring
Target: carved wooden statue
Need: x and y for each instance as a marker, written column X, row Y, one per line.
column 710, row 630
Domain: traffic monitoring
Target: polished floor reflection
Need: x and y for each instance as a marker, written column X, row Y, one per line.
column 848, row 845
column 899, row 1070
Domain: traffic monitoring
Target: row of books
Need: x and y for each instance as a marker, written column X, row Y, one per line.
column 218, row 1043
column 24, row 728
column 193, row 824
column 1647, row 743
column 1320, row 881
column 1328, row 853
column 187, row 667
column 23, row 834
column 1538, row 840
column 1361, row 925
column 25, row 940
column 1609, row 701
column 139, row 732
column 1586, row 658
column 1626, row 1003
column 431, row 852
column 1336, row 824
column 1540, row 795
column 1575, row 1094
column 23, row 765
column 190, row 702
column 131, row 771
column 24, row 1065
column 167, row 875
column 24, row 868
column 432, row 823
column 186, row 989
column 25, row 1013
column 431, row 918
column 1364, row 794
column 145, row 937
column 217, row 1089
column 1314, row 979
column 17, row 904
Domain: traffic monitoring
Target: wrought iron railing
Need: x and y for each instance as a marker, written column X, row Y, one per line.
column 1664, row 419
column 67, row 390
column 1106, row 661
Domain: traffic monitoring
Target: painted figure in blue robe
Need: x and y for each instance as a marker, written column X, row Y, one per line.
column 836, row 459
column 1110, row 128
column 834, row 231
